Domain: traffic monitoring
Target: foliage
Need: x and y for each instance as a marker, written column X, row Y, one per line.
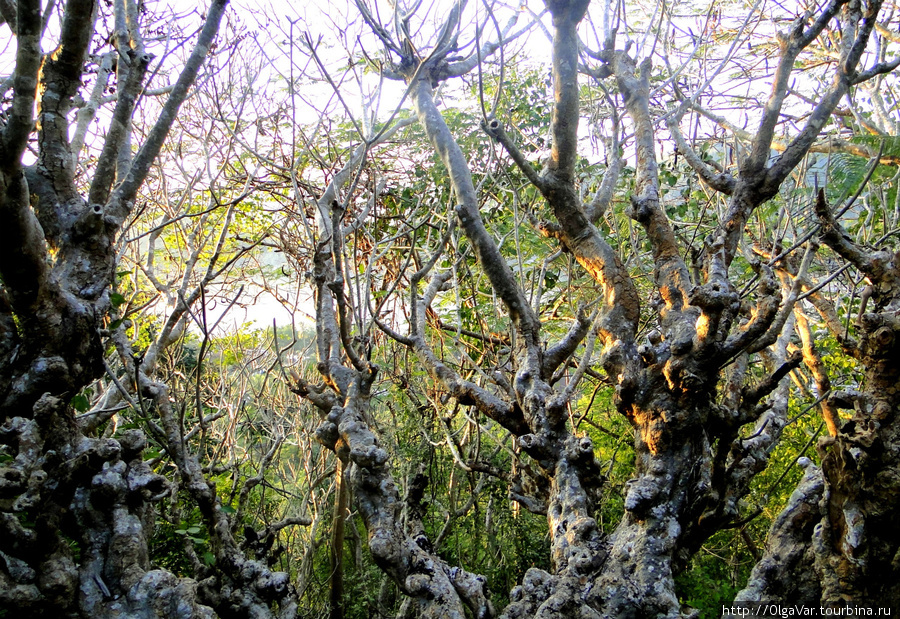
column 290, row 189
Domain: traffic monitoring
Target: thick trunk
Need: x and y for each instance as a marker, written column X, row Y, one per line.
column 97, row 493
column 76, row 511
column 858, row 544
column 699, row 443
column 838, row 531
column 855, row 545
column 638, row 578
column 786, row 570
column 336, row 580
column 630, row 572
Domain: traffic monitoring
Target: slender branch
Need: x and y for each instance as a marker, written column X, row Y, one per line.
column 124, row 194
column 25, row 80
column 830, row 144
column 791, row 45
column 89, row 110
column 825, row 308
column 720, row 181
column 875, row 264
column 489, row 257
column 119, row 135
column 603, row 198
column 879, row 69
column 461, row 67
column 813, row 361
column 566, row 347
column 752, row 395
column 494, row 128
column 564, row 123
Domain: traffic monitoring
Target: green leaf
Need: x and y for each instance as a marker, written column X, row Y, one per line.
column 209, row 558
column 193, row 530
column 116, row 299
column 80, row 403
column 228, row 509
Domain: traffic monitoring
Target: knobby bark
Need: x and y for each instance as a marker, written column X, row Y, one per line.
column 336, row 581
column 703, row 428
column 704, row 425
column 842, row 533
column 77, row 510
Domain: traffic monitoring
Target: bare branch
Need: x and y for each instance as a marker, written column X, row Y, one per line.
column 752, row 395
column 119, row 135
column 876, row 264
column 566, row 347
column 462, row 67
column 123, row 195
column 25, row 81
column 720, row 181
column 489, row 256
column 790, row 45
column 87, row 113
column 813, row 361
column 564, row 124
column 494, row 128
column 879, row 69
column 603, row 198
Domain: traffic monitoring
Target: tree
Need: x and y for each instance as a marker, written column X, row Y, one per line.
column 77, row 506
column 565, row 328
column 682, row 369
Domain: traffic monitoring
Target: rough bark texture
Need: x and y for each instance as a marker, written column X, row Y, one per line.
column 693, row 465
column 704, row 421
column 77, row 510
column 841, row 530
column 786, row 570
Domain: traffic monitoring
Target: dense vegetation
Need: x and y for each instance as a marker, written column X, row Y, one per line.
column 463, row 310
